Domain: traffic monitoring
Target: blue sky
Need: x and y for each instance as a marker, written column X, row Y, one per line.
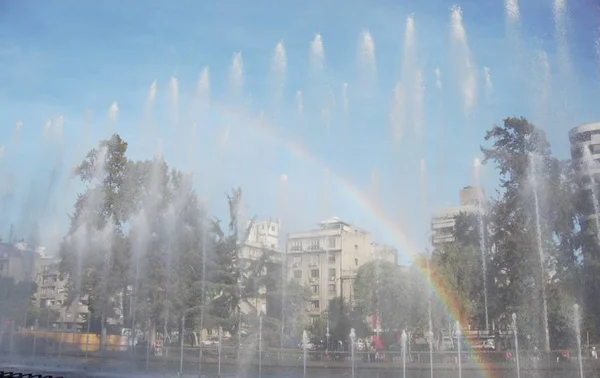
column 73, row 59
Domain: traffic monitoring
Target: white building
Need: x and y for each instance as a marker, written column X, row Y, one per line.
column 326, row 260
column 263, row 238
column 385, row 253
column 442, row 222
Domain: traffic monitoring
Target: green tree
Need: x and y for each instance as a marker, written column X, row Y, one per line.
column 15, row 299
column 529, row 175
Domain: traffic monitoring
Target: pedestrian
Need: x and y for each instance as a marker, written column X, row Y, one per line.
column 594, row 353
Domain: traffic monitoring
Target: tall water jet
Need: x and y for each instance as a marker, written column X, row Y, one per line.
column 466, row 69
column 577, row 324
column 352, row 347
column 151, row 97
column 597, row 49
column 458, row 342
column 47, row 129
column 220, row 349
column 299, row 103
column 203, row 88
column 438, row 78
column 260, row 331
column 489, row 87
column 542, row 259
column 317, row 55
column 236, row 76
column 542, row 81
column 511, row 9
column 367, row 64
column 559, row 12
column 113, row 115
column 345, row 97
column 419, row 92
column 397, row 113
column 279, row 69
column 482, row 243
column 305, row 342
column 403, row 343
column 283, row 209
column 590, row 166
column 516, row 338
column 174, row 97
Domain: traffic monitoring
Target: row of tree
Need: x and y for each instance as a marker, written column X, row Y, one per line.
column 141, row 249
column 140, row 241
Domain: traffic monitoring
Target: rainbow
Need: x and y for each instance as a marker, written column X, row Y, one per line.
column 437, row 284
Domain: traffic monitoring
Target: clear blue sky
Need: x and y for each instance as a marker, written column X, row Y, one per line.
column 73, row 59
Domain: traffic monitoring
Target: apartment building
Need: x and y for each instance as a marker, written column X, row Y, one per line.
column 52, row 293
column 326, row 260
column 443, row 220
column 263, row 237
column 17, row 261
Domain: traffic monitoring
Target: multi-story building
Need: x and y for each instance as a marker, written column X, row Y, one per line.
column 262, row 244
column 326, row 260
column 442, row 222
column 52, row 293
column 585, row 154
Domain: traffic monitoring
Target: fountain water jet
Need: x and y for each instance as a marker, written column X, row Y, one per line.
column 174, row 95
column 113, row 115
column 403, row 342
column 482, row 244
column 396, row 115
column 305, row 342
column 577, row 321
column 462, row 52
column 220, row 346
column 367, row 64
column 236, row 76
column 489, row 87
column 345, row 97
column 260, row 331
column 419, row 93
column 514, row 327
column 542, row 259
column 299, row 103
column 279, row 69
column 458, row 342
column 317, row 54
column 511, row 8
column 352, row 347
column 438, row 78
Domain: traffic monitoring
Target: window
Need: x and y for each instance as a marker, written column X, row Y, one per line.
column 296, row 246
column 314, row 245
column 314, row 273
column 297, row 260
column 331, row 304
column 331, row 242
column 356, row 262
column 314, row 320
column 356, row 247
column 273, row 228
column 314, row 305
column 331, row 272
column 314, row 259
column 297, row 274
column 331, row 258
column 331, row 288
column 315, row 289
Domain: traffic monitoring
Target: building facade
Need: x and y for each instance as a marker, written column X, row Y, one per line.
column 442, row 223
column 326, row 260
column 261, row 250
column 585, row 155
column 385, row 253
